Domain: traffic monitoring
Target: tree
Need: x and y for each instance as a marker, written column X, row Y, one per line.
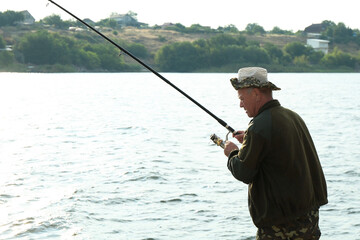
column 277, row 30
column 109, row 59
column 56, row 21
column 44, row 48
column 295, row 49
column 301, row 61
column 338, row 58
column 328, row 24
column 357, row 36
column 10, row 18
column 197, row 28
column 223, row 55
column 6, row 58
column 256, row 55
column 108, row 23
column 226, row 40
column 132, row 14
column 112, row 23
column 229, row 28
column 179, row 56
column 254, row 28
column 274, row 52
column 2, row 42
column 342, row 34
column 137, row 49
column 315, row 57
column 88, row 59
column 338, row 33
column 176, row 27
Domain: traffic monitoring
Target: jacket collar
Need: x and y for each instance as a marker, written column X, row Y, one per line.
column 268, row 105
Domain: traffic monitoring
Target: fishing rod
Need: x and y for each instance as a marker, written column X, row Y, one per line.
column 213, row 137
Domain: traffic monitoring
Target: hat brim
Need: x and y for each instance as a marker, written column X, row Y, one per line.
column 251, row 84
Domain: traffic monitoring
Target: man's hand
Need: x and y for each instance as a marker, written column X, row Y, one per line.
column 229, row 147
column 239, row 135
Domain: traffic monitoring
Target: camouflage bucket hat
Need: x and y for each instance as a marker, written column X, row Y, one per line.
column 252, row 77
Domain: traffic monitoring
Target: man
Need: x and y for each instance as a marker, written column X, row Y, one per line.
column 278, row 161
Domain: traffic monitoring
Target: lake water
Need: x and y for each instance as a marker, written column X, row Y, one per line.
column 125, row 156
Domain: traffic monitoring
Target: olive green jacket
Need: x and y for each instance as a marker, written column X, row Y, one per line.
column 279, row 161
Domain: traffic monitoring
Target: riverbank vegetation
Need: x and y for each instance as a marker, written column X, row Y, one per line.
column 54, row 45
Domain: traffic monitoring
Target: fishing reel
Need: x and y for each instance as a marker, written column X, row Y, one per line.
column 218, row 141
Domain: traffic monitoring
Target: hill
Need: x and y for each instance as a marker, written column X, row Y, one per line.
column 153, row 40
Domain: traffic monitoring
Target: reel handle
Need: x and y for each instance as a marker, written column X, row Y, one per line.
column 218, row 141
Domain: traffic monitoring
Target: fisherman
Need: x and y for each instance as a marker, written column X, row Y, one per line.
column 278, row 161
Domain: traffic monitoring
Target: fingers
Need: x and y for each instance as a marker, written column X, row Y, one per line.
column 239, row 135
column 229, row 147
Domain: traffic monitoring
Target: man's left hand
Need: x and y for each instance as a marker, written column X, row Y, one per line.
column 229, row 147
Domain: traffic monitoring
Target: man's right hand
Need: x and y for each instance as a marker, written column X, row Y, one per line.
column 239, row 135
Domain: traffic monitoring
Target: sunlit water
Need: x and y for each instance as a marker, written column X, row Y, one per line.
column 125, row 156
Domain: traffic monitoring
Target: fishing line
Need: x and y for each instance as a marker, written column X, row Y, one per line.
column 223, row 123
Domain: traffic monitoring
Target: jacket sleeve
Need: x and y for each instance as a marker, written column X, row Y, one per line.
column 245, row 163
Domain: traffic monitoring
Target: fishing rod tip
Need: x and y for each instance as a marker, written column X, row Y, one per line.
column 50, row 1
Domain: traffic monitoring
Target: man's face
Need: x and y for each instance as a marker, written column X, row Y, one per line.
column 247, row 98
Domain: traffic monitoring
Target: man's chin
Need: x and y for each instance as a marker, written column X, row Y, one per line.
column 249, row 115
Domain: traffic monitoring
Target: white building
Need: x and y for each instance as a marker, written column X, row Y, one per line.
column 28, row 18
column 124, row 19
column 319, row 45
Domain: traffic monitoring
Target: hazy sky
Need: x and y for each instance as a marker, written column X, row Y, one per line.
column 286, row 14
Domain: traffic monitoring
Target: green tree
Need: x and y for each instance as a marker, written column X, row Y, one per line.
column 301, row 61
column 342, row 34
column 44, row 48
column 6, row 58
column 176, row 27
column 277, row 30
column 201, row 43
column 108, row 56
column 254, row 28
column 2, row 42
column 197, row 28
column 338, row 33
column 108, row 23
column 132, row 14
column 357, row 36
column 231, row 28
column 224, row 55
column 137, row 49
column 296, row 49
column 226, row 40
column 274, row 52
column 328, row 24
column 55, row 20
column 112, row 23
column 86, row 59
column 256, row 55
column 10, row 18
column 315, row 57
column 338, row 58
column 286, row 59
column 179, row 56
